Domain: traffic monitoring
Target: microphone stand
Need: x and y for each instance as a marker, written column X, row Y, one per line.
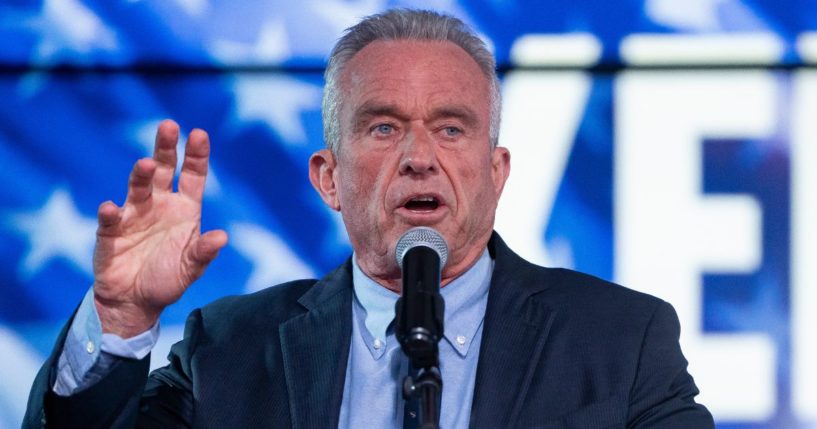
column 419, row 328
column 428, row 386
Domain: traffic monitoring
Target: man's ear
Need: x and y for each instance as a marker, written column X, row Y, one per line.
column 501, row 168
column 322, row 166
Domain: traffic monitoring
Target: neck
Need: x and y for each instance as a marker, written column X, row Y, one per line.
column 393, row 280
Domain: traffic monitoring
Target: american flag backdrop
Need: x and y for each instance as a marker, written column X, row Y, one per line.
column 650, row 139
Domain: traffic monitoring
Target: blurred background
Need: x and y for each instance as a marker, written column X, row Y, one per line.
column 668, row 145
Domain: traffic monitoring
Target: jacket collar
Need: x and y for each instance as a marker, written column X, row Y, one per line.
column 516, row 327
column 315, row 350
column 517, row 323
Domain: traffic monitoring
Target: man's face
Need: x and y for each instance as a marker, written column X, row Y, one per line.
column 414, row 151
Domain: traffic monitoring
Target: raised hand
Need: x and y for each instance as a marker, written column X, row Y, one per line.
column 151, row 249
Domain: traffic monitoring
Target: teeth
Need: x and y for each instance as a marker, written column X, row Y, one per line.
column 423, row 199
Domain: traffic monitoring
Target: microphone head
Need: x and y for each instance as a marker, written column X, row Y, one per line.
column 421, row 236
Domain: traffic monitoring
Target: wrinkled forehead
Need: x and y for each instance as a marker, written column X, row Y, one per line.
column 414, row 71
column 410, row 54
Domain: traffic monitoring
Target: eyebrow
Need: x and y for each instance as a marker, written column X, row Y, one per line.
column 374, row 108
column 371, row 109
column 463, row 113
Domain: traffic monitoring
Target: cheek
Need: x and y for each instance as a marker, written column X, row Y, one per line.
column 360, row 184
column 486, row 194
column 483, row 201
column 477, row 182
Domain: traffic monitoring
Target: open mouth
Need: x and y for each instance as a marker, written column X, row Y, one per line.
column 422, row 204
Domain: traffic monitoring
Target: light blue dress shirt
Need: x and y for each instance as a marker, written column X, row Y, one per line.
column 371, row 396
column 88, row 354
column 376, row 365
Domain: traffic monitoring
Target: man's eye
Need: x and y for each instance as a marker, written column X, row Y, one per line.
column 452, row 131
column 383, row 129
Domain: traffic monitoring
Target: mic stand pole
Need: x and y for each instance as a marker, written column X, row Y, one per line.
column 428, row 386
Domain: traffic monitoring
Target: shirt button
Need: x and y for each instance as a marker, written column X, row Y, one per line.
column 89, row 347
column 461, row 340
column 378, row 344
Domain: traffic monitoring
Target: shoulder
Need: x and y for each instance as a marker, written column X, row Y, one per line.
column 563, row 287
column 578, row 297
column 251, row 314
column 572, row 288
column 601, row 307
column 591, row 322
column 272, row 300
column 266, row 309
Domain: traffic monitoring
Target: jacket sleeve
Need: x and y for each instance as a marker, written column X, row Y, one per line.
column 125, row 398
column 663, row 392
column 101, row 405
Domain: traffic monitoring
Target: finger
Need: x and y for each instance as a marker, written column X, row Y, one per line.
column 204, row 251
column 194, row 168
column 140, row 184
column 108, row 215
column 208, row 245
column 164, row 152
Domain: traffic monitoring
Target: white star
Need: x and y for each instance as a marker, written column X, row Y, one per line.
column 450, row 7
column 57, row 230
column 272, row 44
column 144, row 135
column 342, row 14
column 272, row 260
column 68, row 27
column 193, row 7
column 703, row 15
column 270, row 47
column 685, row 14
column 278, row 101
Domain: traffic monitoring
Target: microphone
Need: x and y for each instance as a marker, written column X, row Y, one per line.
column 421, row 254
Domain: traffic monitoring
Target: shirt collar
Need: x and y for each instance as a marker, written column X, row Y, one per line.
column 376, row 301
column 466, row 298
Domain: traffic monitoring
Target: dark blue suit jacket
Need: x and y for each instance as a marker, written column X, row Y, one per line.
column 560, row 349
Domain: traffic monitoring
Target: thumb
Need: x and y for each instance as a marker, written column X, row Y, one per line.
column 206, row 248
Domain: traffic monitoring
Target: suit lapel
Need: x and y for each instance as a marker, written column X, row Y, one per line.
column 315, row 348
column 516, row 328
column 315, row 345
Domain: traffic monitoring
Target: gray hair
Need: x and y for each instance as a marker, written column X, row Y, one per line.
column 404, row 24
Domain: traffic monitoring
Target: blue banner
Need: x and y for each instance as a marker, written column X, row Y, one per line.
column 650, row 140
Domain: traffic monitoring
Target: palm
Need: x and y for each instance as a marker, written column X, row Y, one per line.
column 150, row 250
column 146, row 256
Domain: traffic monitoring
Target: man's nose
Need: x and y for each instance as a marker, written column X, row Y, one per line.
column 419, row 153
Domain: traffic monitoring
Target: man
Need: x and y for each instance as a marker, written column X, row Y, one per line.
column 411, row 116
